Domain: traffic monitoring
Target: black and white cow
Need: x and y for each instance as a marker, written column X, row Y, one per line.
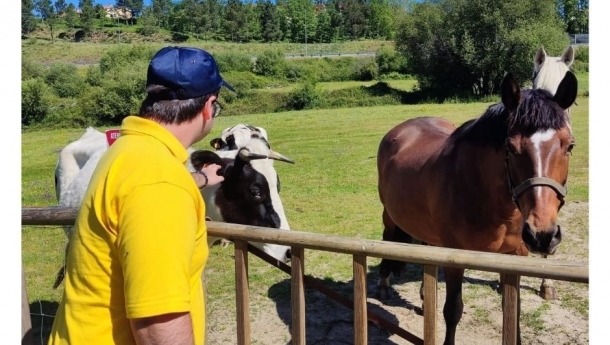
column 249, row 194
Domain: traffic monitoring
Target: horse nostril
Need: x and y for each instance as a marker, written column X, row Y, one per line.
column 528, row 235
column 557, row 236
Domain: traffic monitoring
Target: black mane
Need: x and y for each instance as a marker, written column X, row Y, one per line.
column 536, row 111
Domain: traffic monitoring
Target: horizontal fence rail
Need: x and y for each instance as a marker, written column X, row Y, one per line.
column 573, row 271
column 510, row 266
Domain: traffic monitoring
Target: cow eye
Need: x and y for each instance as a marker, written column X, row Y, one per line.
column 255, row 192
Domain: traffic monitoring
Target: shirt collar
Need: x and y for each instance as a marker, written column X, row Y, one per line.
column 136, row 125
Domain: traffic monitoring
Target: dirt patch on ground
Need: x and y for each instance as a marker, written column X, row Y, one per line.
column 560, row 321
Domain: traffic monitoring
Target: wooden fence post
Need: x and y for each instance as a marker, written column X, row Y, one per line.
column 360, row 312
column 510, row 308
column 242, row 291
column 297, row 263
column 430, row 303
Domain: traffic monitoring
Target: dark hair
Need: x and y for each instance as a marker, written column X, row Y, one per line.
column 162, row 105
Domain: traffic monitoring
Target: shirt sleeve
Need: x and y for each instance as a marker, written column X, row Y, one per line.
column 156, row 239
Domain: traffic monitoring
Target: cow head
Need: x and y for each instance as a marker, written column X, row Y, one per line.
column 249, row 194
column 238, row 136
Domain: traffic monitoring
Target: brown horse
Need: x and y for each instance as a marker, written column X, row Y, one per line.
column 494, row 184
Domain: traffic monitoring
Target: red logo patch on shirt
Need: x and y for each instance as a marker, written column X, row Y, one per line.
column 112, row 135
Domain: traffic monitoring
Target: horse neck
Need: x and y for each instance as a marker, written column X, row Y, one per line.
column 480, row 179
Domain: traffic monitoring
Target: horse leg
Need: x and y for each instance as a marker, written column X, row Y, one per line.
column 454, row 306
column 547, row 290
column 387, row 267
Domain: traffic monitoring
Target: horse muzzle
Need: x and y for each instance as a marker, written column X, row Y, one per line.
column 541, row 241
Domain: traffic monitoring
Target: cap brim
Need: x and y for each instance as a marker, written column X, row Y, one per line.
column 228, row 86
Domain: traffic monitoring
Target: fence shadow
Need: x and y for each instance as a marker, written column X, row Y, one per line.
column 330, row 322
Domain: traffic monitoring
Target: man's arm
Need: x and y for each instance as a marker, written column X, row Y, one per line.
column 168, row 329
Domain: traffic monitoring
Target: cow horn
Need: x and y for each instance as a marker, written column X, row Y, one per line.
column 247, row 155
column 280, row 157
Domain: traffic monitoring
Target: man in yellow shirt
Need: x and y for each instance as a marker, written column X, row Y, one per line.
column 134, row 265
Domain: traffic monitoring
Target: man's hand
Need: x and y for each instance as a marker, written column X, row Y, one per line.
column 208, row 176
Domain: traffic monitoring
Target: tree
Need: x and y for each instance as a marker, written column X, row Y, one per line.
column 234, row 20
column 60, row 7
column 575, row 15
column 162, row 9
column 87, row 15
column 302, row 20
column 70, row 16
column 467, row 46
column 381, row 21
column 28, row 22
column 269, row 21
column 47, row 13
column 324, row 30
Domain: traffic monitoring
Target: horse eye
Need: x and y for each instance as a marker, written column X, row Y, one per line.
column 571, row 147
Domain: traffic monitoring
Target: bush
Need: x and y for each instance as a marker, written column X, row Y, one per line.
column 388, row 61
column 305, row 97
column 35, row 105
column 365, row 71
column 270, row 64
column 66, row 113
column 126, row 55
column 64, row 80
column 179, row 37
column 31, row 70
column 94, row 76
column 581, row 59
column 234, row 62
column 582, row 54
column 148, row 30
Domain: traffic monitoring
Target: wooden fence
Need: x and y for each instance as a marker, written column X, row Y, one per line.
column 511, row 267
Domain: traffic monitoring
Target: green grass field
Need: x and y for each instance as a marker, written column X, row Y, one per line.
column 330, row 190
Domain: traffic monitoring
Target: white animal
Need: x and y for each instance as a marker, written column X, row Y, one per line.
column 550, row 70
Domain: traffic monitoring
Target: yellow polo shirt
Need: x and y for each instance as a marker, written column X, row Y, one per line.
column 140, row 242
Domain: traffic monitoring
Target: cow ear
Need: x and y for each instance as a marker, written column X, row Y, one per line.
column 511, row 93
column 216, row 143
column 566, row 91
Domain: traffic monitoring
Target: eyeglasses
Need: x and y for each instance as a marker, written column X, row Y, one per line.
column 217, row 108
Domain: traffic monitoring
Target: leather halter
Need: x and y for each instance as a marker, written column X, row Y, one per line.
column 543, row 181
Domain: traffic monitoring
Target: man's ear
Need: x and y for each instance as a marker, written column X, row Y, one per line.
column 208, row 109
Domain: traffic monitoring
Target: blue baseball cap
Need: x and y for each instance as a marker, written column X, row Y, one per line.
column 188, row 72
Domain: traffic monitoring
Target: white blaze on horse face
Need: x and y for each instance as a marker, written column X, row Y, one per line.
column 537, row 140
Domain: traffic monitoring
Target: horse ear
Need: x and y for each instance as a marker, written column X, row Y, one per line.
column 539, row 57
column 566, row 91
column 568, row 56
column 511, row 93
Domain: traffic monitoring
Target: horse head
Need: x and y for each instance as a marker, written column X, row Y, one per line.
column 538, row 147
column 550, row 70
